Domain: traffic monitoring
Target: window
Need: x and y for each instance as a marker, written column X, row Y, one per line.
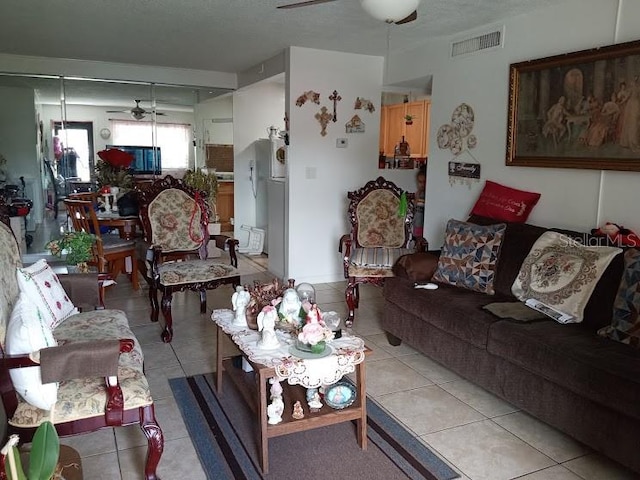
column 174, row 140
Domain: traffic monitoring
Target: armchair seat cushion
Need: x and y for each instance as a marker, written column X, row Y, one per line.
column 194, row 271
column 86, row 397
column 374, row 262
column 379, row 257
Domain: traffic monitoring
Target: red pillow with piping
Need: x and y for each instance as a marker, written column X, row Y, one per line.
column 505, row 203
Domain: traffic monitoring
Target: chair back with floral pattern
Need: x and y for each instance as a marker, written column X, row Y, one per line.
column 376, row 217
column 9, row 263
column 174, row 216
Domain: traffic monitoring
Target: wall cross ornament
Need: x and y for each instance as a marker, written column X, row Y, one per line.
column 324, row 117
column 335, row 98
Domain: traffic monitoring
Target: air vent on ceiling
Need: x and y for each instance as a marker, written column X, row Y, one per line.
column 477, row 43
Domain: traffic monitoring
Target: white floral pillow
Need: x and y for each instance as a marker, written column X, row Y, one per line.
column 43, row 288
column 27, row 333
column 562, row 273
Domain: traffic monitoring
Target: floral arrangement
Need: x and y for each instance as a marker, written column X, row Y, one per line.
column 77, row 245
column 307, row 326
column 113, row 169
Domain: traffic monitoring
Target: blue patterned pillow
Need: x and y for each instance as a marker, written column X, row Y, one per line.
column 625, row 324
column 469, row 255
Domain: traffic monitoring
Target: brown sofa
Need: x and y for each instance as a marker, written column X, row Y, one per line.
column 566, row 375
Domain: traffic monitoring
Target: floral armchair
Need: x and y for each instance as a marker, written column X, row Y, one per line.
column 381, row 217
column 82, row 394
column 175, row 220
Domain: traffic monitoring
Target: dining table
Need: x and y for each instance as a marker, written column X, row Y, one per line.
column 126, row 225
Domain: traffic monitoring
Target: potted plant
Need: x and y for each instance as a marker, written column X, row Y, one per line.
column 408, row 119
column 78, row 247
column 43, row 458
column 206, row 182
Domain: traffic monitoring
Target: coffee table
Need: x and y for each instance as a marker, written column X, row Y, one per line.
column 253, row 386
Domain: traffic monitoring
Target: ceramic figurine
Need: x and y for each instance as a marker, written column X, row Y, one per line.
column 290, row 305
column 315, row 403
column 266, row 324
column 239, row 300
column 298, row 413
column 275, row 410
column 276, row 388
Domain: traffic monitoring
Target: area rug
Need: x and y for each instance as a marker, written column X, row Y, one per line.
column 223, row 432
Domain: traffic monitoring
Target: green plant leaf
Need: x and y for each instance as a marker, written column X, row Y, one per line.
column 20, row 471
column 45, row 451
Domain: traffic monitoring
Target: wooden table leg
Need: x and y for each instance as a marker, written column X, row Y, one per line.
column 263, row 440
column 362, row 395
column 219, row 335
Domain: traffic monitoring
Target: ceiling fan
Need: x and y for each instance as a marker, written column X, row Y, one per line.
column 390, row 11
column 136, row 112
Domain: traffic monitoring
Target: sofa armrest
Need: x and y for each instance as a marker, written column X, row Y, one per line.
column 84, row 289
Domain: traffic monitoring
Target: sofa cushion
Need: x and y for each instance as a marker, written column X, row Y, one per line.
column 625, row 324
column 42, row 286
column 505, row 203
column 454, row 310
column 27, row 333
column 417, row 267
column 469, row 255
column 562, row 273
column 516, row 244
column 570, row 355
column 9, row 291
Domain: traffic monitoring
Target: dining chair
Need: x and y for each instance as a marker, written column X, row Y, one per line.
column 110, row 251
column 175, row 220
column 381, row 218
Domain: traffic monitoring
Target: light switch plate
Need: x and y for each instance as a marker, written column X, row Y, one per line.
column 342, row 143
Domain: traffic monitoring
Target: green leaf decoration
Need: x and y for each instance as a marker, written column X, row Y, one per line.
column 20, row 471
column 402, row 207
column 45, row 451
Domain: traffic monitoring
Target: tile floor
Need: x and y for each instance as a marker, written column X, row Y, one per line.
column 481, row 436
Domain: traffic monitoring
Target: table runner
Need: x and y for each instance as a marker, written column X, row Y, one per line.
column 347, row 352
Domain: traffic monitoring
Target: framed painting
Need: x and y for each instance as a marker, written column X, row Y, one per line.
column 578, row 110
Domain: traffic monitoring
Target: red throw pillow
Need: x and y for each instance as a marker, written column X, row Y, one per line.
column 505, row 203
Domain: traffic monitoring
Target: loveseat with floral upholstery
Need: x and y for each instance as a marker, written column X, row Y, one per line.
column 84, row 374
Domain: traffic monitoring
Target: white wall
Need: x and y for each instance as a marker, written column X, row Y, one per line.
column 570, row 197
column 255, row 108
column 320, row 175
column 18, row 136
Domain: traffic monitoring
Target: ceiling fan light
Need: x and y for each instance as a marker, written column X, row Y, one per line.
column 389, row 10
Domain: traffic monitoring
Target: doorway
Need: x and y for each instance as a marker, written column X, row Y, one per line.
column 75, row 156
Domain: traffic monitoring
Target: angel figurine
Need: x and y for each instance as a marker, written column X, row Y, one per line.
column 274, row 411
column 239, row 300
column 290, row 305
column 266, row 325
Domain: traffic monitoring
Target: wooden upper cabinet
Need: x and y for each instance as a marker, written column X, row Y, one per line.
column 394, row 127
column 383, row 129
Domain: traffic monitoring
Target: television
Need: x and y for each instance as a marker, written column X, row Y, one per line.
column 146, row 160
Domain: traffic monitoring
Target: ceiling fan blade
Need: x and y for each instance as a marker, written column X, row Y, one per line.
column 409, row 18
column 305, row 4
column 117, row 111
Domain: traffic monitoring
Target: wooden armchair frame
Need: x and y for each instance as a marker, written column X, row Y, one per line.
column 349, row 242
column 156, row 256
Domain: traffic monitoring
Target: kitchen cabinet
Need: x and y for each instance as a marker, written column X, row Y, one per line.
column 393, row 127
column 224, row 205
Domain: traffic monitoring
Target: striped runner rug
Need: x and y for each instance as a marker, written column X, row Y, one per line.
column 222, row 430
